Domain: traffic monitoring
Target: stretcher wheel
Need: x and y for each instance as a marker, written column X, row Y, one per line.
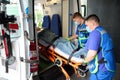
column 82, row 74
column 82, row 70
column 58, row 62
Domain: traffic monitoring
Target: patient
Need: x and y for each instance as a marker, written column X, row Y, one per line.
column 68, row 47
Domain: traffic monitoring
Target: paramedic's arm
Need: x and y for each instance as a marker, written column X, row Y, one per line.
column 74, row 37
column 90, row 55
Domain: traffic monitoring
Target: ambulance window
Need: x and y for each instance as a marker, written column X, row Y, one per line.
column 12, row 8
column 38, row 14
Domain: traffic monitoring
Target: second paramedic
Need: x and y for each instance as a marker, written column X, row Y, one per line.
column 81, row 32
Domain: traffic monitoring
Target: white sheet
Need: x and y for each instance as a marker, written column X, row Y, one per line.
column 74, row 59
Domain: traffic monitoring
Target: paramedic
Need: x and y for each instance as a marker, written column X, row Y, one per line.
column 81, row 32
column 100, row 57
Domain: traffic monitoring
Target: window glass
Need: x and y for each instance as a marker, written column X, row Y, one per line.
column 38, row 14
column 12, row 8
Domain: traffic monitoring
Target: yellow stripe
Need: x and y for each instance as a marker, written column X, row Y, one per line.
column 96, row 64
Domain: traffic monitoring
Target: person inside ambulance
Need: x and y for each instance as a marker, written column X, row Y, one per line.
column 100, row 56
column 81, row 32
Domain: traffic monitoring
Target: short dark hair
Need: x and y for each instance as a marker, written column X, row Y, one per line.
column 93, row 17
column 77, row 14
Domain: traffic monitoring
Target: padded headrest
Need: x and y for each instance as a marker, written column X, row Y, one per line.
column 47, row 36
column 56, row 25
column 46, row 22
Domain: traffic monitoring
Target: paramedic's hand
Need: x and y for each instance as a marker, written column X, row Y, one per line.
column 68, row 39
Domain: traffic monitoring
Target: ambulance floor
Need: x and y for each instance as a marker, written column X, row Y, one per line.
column 54, row 72
column 49, row 71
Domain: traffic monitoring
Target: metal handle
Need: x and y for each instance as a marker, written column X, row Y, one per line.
column 28, row 61
column 84, row 6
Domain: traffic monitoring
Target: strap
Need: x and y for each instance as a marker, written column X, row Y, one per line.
column 72, row 54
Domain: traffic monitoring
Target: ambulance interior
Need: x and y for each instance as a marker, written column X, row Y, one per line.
column 86, row 8
column 41, row 28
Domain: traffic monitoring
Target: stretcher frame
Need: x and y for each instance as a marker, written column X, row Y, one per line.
column 60, row 60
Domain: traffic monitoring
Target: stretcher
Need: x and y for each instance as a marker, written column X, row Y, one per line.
column 47, row 48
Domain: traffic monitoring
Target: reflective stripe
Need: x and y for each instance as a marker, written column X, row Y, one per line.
column 96, row 65
column 103, row 32
column 96, row 58
column 82, row 44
